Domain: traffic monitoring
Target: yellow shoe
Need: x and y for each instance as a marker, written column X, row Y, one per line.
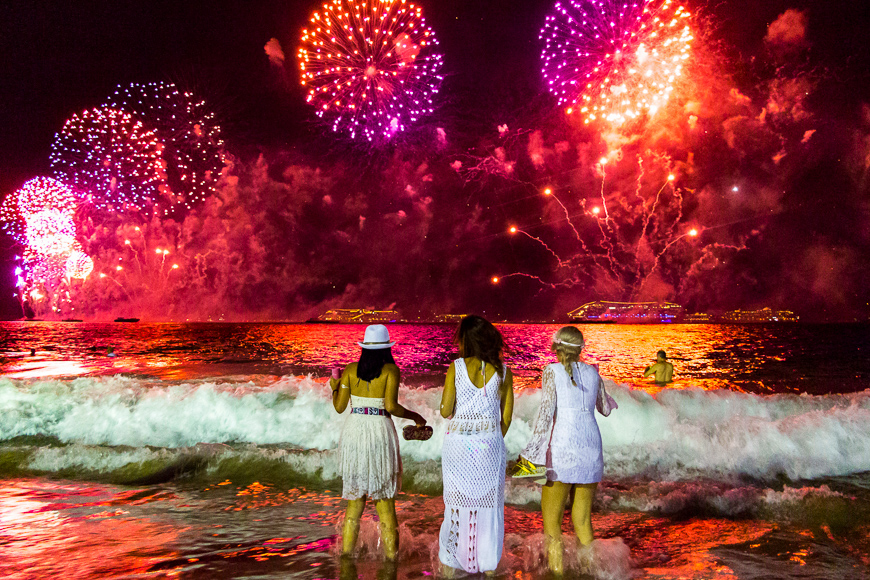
column 525, row 468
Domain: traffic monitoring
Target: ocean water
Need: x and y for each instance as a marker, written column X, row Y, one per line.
column 208, row 451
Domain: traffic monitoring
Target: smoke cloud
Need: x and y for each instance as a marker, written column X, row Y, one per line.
column 274, row 52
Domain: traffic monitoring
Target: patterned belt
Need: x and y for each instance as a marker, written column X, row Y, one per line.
column 368, row 411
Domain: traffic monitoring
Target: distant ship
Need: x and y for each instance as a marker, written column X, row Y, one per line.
column 760, row 316
column 358, row 316
column 122, row 319
column 603, row 311
column 72, row 320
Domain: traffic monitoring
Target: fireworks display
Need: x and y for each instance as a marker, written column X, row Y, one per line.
column 628, row 242
column 370, row 67
column 20, row 211
column 614, row 61
column 50, row 231
column 191, row 139
column 79, row 265
column 40, row 217
column 668, row 170
column 112, row 159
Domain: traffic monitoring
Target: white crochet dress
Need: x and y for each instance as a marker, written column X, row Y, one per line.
column 369, row 446
column 473, row 469
column 565, row 435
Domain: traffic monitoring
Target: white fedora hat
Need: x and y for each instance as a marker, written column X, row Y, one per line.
column 377, row 336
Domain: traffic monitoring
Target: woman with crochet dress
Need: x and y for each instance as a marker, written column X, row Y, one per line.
column 478, row 400
column 566, row 439
column 370, row 464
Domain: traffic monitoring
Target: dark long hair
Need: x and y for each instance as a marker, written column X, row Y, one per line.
column 372, row 361
column 477, row 337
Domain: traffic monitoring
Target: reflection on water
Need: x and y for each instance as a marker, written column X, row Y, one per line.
column 753, row 358
column 73, row 530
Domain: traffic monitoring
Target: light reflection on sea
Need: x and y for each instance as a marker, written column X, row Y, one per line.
column 191, row 523
column 760, row 359
column 77, row 530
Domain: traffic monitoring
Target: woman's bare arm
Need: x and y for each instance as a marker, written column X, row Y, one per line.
column 391, row 398
column 448, row 396
column 341, row 390
column 507, row 401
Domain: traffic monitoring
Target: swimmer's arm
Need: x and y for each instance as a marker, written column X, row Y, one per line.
column 650, row 370
column 448, row 397
column 391, row 398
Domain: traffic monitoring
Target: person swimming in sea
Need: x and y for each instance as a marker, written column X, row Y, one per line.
column 662, row 369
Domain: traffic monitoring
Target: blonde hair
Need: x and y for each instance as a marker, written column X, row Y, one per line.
column 567, row 343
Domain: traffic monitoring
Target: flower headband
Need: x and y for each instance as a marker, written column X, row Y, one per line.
column 557, row 340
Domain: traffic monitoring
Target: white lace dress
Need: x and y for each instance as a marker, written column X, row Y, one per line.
column 473, row 469
column 565, row 435
column 369, row 447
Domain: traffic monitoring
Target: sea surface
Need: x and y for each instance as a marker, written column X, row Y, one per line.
column 209, row 451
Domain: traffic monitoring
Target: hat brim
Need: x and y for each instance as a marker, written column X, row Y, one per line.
column 376, row 346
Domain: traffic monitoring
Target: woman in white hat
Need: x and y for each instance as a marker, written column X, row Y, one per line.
column 370, row 464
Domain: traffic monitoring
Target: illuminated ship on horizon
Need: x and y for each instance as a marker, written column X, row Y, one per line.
column 627, row 312
column 602, row 311
column 359, row 316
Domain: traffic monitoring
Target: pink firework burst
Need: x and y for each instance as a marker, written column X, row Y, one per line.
column 615, row 61
column 371, row 66
column 50, row 232
column 37, row 195
column 194, row 148
column 111, row 158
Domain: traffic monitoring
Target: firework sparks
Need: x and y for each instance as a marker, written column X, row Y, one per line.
column 622, row 247
column 611, row 61
column 50, row 232
column 79, row 265
column 39, row 216
column 371, row 67
column 35, row 196
column 111, row 158
column 194, row 149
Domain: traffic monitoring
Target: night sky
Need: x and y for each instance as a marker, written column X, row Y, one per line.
column 772, row 168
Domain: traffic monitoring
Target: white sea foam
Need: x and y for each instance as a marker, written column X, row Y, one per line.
column 678, row 434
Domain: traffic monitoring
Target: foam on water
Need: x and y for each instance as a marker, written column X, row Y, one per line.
column 675, row 435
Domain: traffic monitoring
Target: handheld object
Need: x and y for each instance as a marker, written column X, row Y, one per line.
column 414, row 433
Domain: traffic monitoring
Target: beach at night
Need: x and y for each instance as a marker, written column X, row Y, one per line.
column 204, row 204
column 210, row 451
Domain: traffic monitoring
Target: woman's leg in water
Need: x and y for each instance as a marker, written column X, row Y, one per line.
column 581, row 513
column 389, row 527
column 553, row 498
column 350, row 531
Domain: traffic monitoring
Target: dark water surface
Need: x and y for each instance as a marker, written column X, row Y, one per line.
column 208, row 451
column 815, row 359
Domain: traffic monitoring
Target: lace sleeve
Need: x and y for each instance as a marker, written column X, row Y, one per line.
column 605, row 403
column 536, row 450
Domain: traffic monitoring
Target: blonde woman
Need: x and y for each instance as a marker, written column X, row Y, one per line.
column 567, row 441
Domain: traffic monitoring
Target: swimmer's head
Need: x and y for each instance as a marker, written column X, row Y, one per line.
column 661, row 354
